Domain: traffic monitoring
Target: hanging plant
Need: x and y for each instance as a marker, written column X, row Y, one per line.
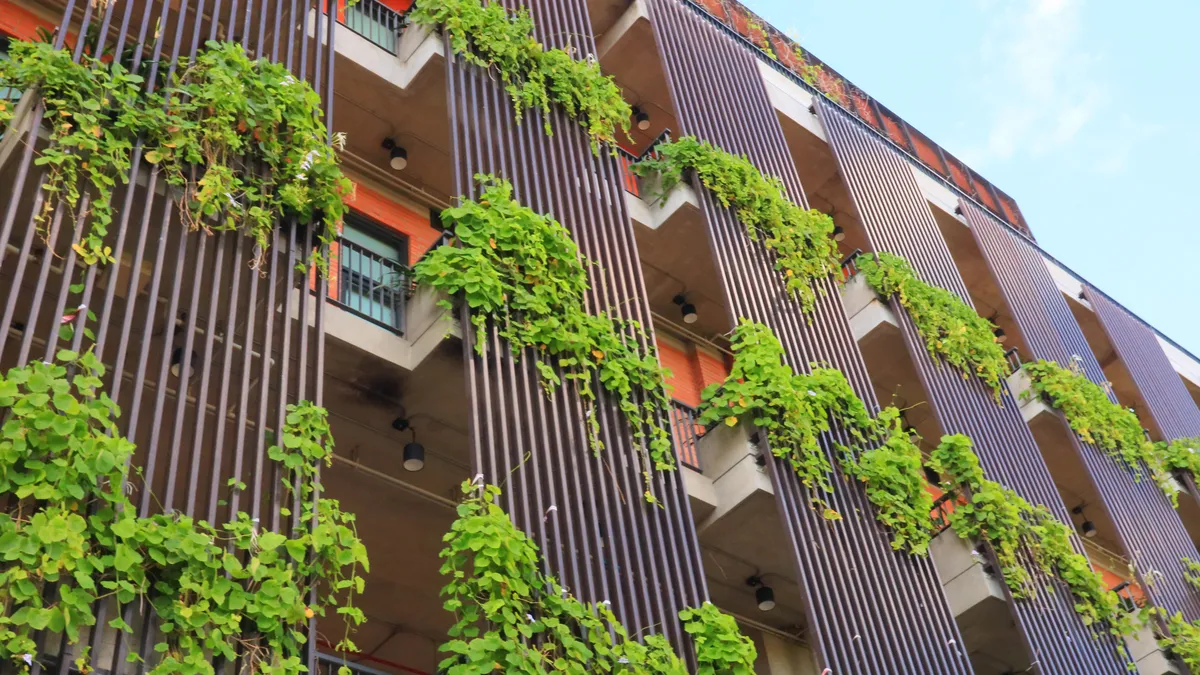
column 522, row 270
column 72, row 537
column 241, row 138
column 1184, row 639
column 951, row 329
column 801, row 239
column 1017, row 529
column 1181, row 454
column 796, row 410
column 485, row 34
column 1100, row 422
column 510, row 617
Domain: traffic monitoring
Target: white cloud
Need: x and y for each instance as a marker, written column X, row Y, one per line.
column 1042, row 84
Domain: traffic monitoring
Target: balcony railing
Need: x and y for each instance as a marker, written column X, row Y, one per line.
column 328, row 664
column 627, row 159
column 850, row 265
column 374, row 21
column 370, row 285
column 686, row 434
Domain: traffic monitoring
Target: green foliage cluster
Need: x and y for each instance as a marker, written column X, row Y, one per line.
column 484, row 33
column 242, row 139
column 801, row 239
column 720, row 647
column 1181, row 454
column 796, row 409
column 1184, row 640
column 511, row 618
column 522, row 270
column 71, row 537
column 1191, row 572
column 1019, row 530
column 950, row 327
column 1100, row 422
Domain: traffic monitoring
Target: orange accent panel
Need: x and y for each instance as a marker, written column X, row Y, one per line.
column 1112, row 580
column 397, row 5
column 683, row 383
column 416, row 226
column 21, row 23
column 711, row 368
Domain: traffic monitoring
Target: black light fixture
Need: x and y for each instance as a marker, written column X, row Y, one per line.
column 641, row 119
column 177, row 363
column 839, row 233
column 1087, row 528
column 398, row 156
column 414, row 452
column 687, row 309
column 763, row 594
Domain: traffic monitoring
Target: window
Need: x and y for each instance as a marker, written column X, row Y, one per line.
column 373, row 272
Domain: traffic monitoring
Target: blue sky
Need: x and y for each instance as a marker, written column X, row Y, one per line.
column 1087, row 112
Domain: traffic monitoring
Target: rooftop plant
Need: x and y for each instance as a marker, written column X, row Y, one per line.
column 71, row 537
column 801, row 239
column 511, row 617
column 523, row 270
column 242, row 139
column 795, row 410
column 484, row 33
column 950, row 327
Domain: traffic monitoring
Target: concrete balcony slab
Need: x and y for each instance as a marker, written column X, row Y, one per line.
column 419, row 48
column 979, row 602
column 733, row 466
column 678, row 207
column 427, row 326
column 870, row 316
column 1145, row 652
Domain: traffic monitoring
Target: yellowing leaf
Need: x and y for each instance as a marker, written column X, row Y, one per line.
column 731, row 421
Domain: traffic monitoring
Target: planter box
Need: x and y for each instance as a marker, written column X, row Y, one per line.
column 733, row 463
column 976, row 597
column 1033, row 409
column 868, row 313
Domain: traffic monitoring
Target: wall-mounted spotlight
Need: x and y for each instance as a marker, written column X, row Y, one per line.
column 641, row 119
column 763, row 594
column 1001, row 336
column 177, row 363
column 414, row 452
column 1087, row 528
column 687, row 309
column 839, row 233
column 398, row 156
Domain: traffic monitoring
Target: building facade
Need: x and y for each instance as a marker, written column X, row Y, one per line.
column 208, row 335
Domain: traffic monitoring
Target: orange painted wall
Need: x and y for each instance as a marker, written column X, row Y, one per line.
column 692, row 369
column 412, row 224
column 20, row 23
column 682, row 380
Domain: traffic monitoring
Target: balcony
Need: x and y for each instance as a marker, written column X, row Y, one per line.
column 376, row 310
column 374, row 21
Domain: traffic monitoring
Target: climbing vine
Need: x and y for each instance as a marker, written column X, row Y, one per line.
column 1019, row 530
column 71, row 537
column 796, row 409
column 951, row 329
column 241, row 138
column 510, row 617
column 1191, row 572
column 801, row 239
column 522, row 271
column 1181, row 454
column 1100, row 422
column 485, row 34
